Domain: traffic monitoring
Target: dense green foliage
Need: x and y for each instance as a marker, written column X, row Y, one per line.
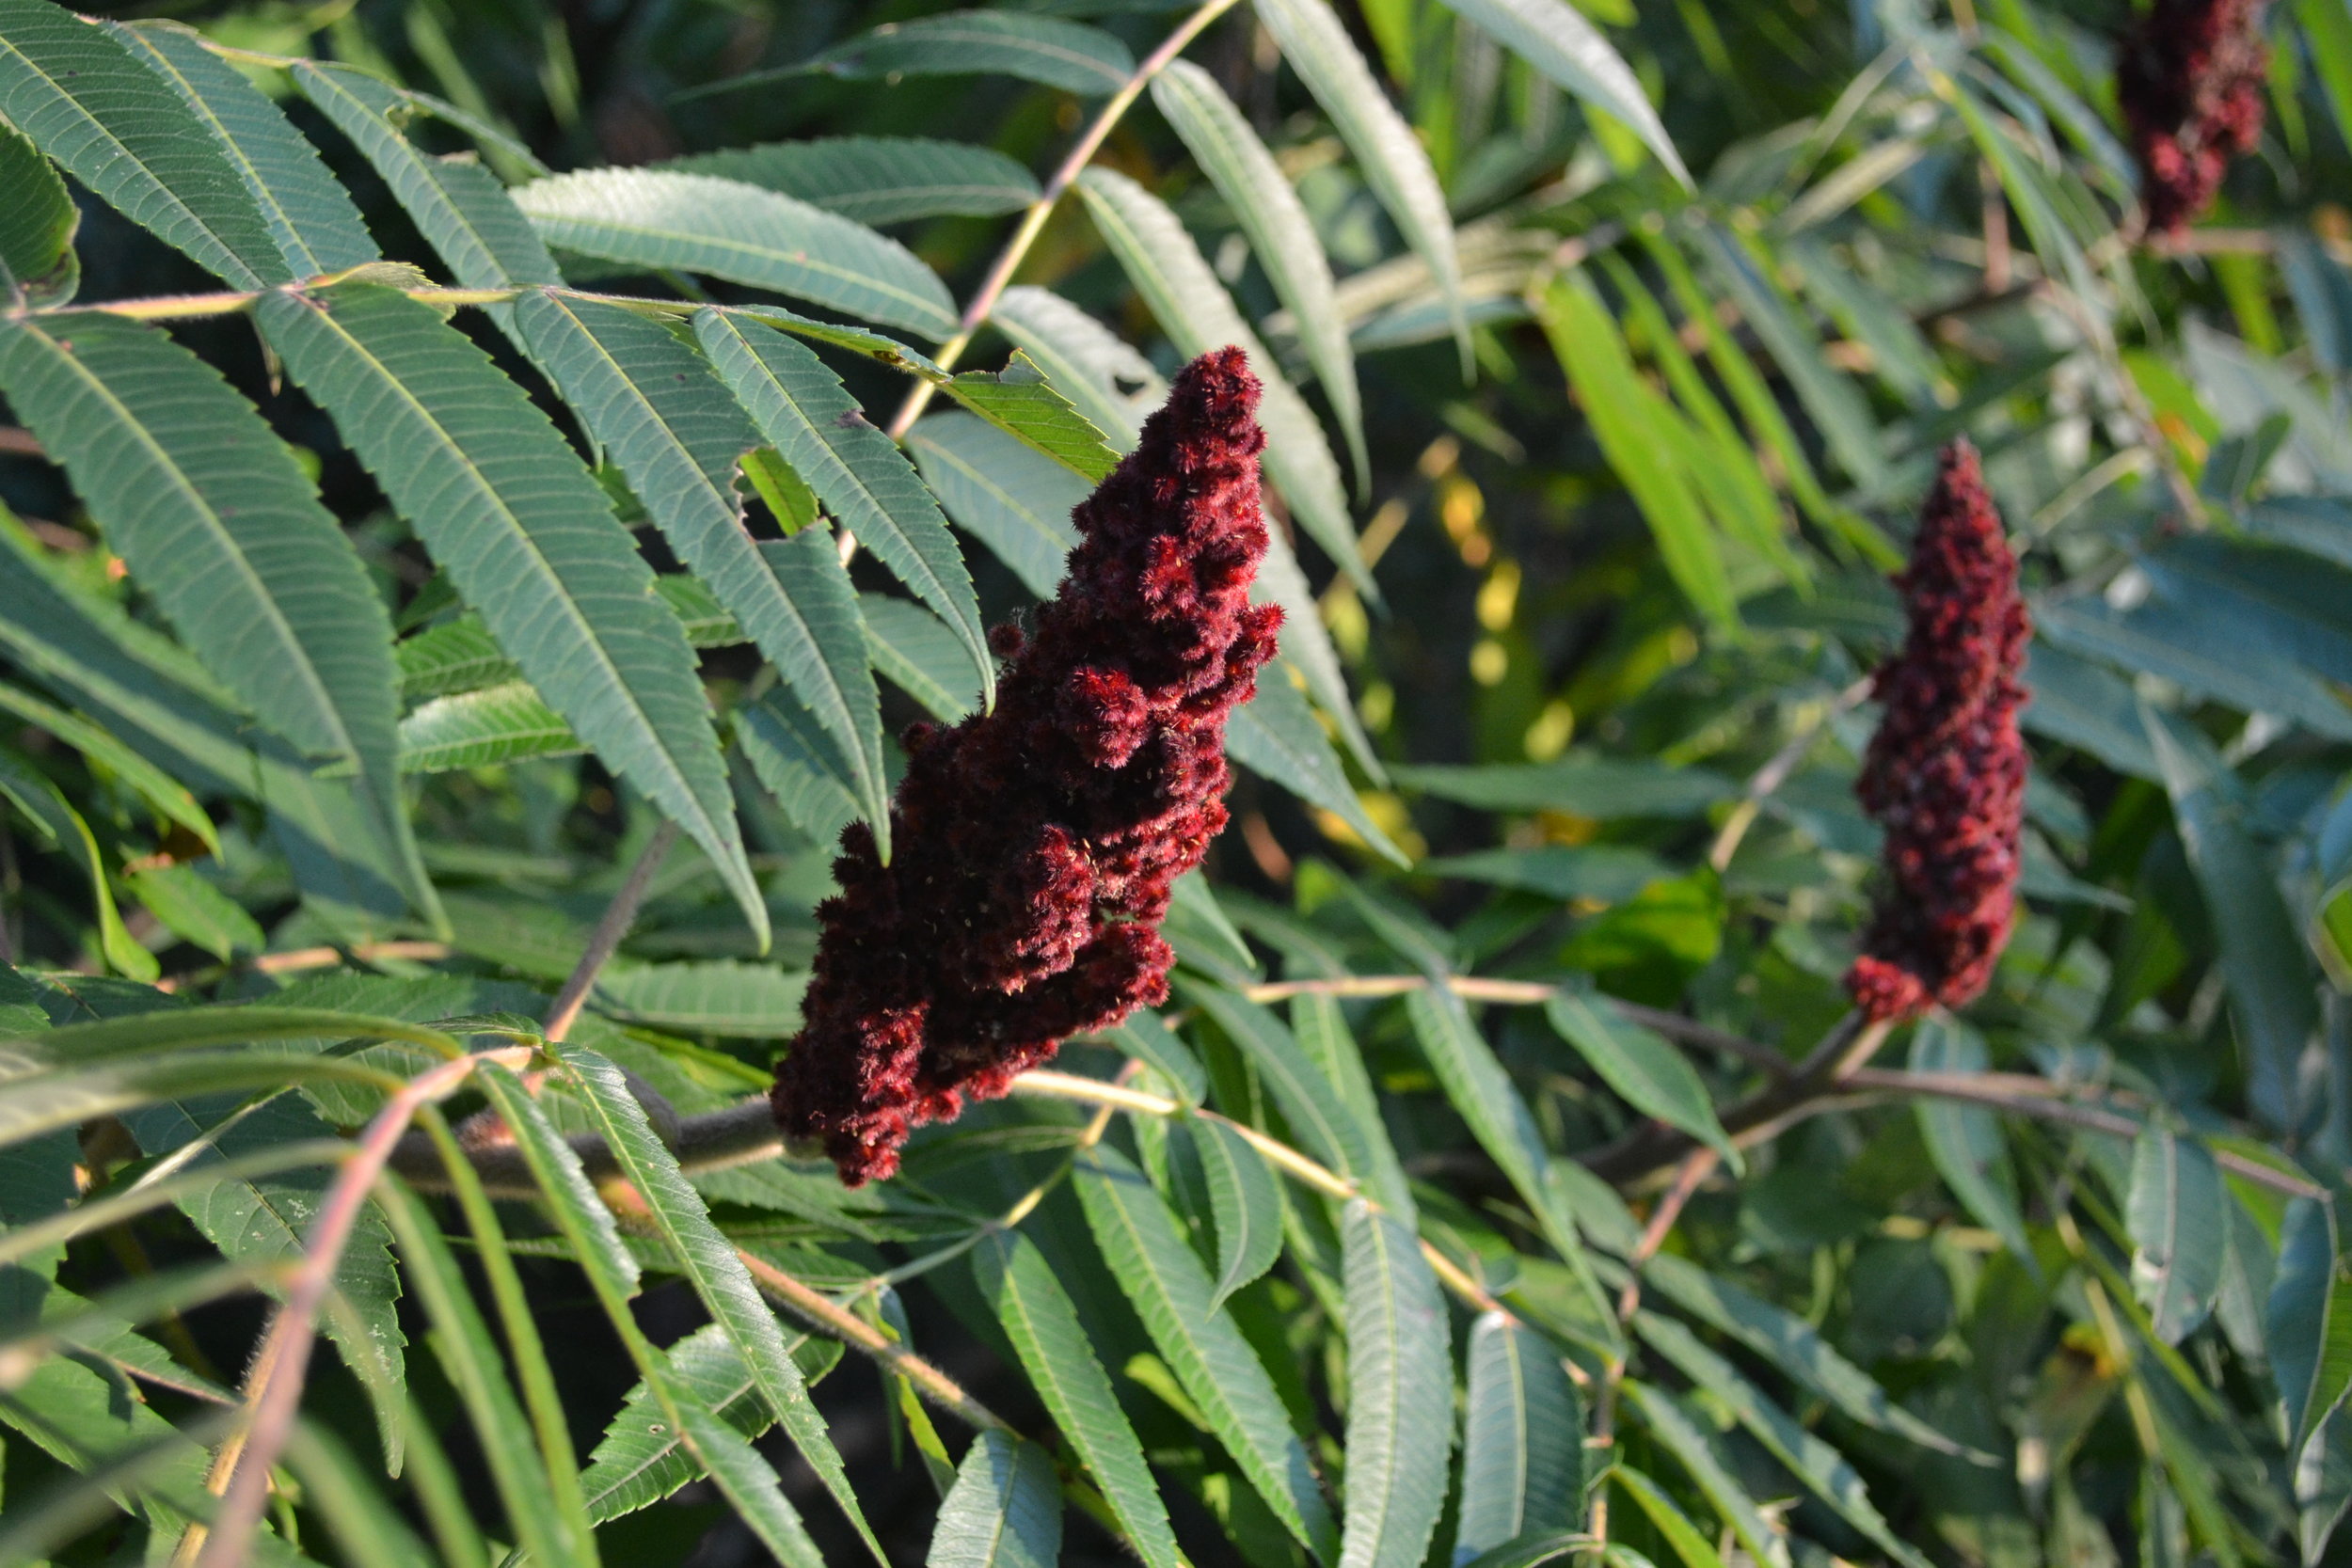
column 483, row 481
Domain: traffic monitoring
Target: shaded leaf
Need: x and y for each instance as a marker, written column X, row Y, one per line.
column 1004, row 1510
column 1556, row 39
column 37, row 260
column 1275, row 736
column 1001, row 491
column 1042, row 49
column 1280, row 231
column 2178, row 1228
column 1647, row 1072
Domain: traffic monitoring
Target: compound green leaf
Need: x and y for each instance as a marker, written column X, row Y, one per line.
column 528, row 538
column 508, row 723
column 720, row 1279
column 215, row 518
column 1085, row 361
column 1020, row 400
column 459, row 207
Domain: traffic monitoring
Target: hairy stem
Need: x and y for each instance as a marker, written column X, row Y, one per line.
column 273, row 1386
column 611, row 928
column 1033, row 221
column 1696, row 1167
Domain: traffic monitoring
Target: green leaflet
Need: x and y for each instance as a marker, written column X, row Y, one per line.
column 1965, row 1141
column 316, row 228
column 1694, row 1548
column 922, row 657
column 1043, row 1327
column 1821, row 1467
column 113, row 124
column 195, row 910
column 795, row 764
column 209, row 509
column 159, row 789
column 1085, row 360
column 2262, row 958
column 1679, row 1434
column 1308, row 1100
column 1280, row 231
column 45, row 806
column 528, row 538
column 1647, row 1072
column 1142, row 1243
column 1790, row 1343
column 37, row 260
column 641, row 1460
column 1523, row 1440
column 724, row 228
column 1020, row 400
column 1009, row 496
column 1004, row 1510
column 678, row 435
column 1276, row 735
column 460, row 208
column 1482, row 1091
column 1192, row 306
column 1634, row 427
column 1246, row 1204
column 2176, row 1215
column 720, row 1279
column 856, row 471
column 1322, row 1032
column 509, row 722
column 1395, row 164
column 1400, row 1394
column 876, row 179
column 717, row 996
column 1042, row 49
column 1557, row 40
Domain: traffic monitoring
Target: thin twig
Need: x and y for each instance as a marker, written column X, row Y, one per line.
column 1307, row 1172
column 1526, row 993
column 1774, row 773
column 1696, row 1167
column 1033, row 221
column 273, row 1386
column 611, row 928
column 854, row 1331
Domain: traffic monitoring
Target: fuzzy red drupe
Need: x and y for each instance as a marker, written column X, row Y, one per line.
column 1035, row 846
column 1946, row 773
column 2190, row 84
